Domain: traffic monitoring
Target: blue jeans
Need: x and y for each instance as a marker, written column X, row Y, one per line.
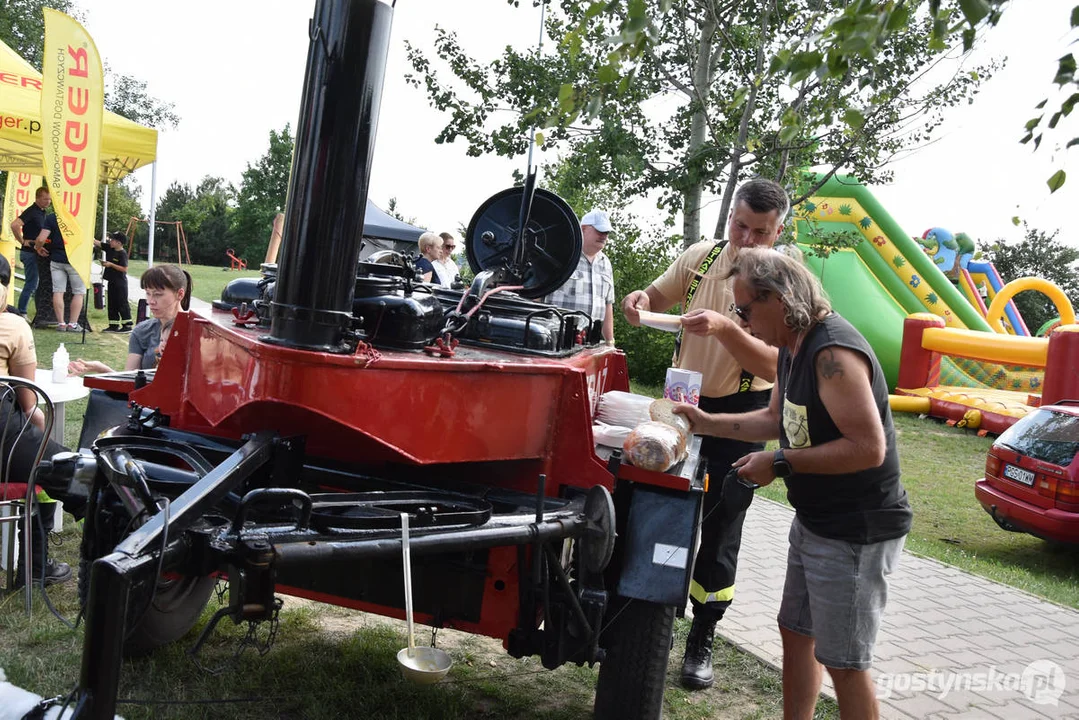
column 28, row 258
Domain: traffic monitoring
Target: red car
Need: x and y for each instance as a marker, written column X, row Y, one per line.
column 1031, row 481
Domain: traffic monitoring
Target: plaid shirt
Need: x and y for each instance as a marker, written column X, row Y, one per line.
column 590, row 289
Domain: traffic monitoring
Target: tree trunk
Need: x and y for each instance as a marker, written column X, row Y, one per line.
column 743, row 126
column 702, row 81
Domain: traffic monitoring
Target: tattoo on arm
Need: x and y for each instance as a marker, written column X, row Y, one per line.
column 737, row 426
column 828, row 365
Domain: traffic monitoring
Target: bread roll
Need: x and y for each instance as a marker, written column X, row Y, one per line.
column 654, row 446
column 662, row 410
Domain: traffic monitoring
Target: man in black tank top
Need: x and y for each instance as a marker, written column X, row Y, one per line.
column 829, row 410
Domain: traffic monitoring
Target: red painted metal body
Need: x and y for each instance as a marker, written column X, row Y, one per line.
column 519, row 415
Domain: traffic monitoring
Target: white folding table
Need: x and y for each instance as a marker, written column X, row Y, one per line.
column 60, row 394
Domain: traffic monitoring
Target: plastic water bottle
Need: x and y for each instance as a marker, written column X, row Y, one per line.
column 59, row 364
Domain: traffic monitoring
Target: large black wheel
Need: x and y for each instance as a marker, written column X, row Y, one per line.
column 176, row 607
column 177, row 600
column 633, row 673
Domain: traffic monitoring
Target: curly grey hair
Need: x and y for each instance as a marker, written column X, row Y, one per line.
column 768, row 271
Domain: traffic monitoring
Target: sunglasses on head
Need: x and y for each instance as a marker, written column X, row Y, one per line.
column 743, row 311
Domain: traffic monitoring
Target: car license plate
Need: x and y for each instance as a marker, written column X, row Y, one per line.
column 1019, row 475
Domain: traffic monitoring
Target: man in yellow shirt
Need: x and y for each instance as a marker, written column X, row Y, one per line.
column 737, row 372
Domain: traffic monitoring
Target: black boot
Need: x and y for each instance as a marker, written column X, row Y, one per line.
column 697, row 671
column 40, row 563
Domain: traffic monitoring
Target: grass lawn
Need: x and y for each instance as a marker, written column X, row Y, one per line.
column 207, row 281
column 328, row 662
column 354, row 652
column 940, row 465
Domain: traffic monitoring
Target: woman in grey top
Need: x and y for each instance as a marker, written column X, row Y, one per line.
column 168, row 291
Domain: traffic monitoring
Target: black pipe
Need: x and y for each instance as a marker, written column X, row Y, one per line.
column 203, row 496
column 327, row 194
column 307, row 553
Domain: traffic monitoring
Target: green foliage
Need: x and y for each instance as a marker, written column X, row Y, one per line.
column 725, row 116
column 127, row 96
column 123, row 205
column 1038, row 254
column 637, row 258
column 637, row 261
column 22, row 28
column 22, row 25
column 899, row 261
column 263, row 193
column 206, row 213
column 394, row 211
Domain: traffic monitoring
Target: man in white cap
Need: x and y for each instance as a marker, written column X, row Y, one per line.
column 591, row 287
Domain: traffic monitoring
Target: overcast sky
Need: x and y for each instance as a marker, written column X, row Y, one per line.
column 234, row 70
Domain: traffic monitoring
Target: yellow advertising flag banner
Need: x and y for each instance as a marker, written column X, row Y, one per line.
column 18, row 195
column 72, row 105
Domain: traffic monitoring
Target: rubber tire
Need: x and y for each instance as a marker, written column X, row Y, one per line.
column 176, row 608
column 633, row 673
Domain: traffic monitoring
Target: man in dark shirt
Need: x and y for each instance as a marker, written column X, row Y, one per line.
column 50, row 243
column 829, row 410
column 115, row 276
column 26, row 228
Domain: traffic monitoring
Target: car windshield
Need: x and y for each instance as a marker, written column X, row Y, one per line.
column 1044, row 435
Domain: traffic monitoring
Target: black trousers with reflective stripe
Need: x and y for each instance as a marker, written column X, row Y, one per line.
column 725, row 507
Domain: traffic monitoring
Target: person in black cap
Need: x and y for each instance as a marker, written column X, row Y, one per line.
column 115, row 276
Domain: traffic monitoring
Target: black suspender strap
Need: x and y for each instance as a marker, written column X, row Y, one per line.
column 745, row 380
column 701, row 272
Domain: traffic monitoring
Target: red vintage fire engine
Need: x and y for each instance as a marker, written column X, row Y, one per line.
column 281, row 436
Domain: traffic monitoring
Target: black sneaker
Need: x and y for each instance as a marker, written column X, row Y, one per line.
column 125, row 329
column 112, row 329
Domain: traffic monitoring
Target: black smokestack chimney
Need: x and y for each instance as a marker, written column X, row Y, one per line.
column 327, row 194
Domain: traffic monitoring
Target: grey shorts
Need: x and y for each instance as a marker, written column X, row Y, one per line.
column 835, row 593
column 62, row 273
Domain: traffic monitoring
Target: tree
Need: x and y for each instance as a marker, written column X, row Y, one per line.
column 22, row 28
column 123, row 204
column 22, row 25
column 859, row 30
column 263, row 193
column 173, row 200
column 703, row 106
column 638, row 256
column 1038, row 254
column 127, row 96
column 206, row 213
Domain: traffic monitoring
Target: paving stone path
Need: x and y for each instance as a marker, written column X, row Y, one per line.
column 952, row 645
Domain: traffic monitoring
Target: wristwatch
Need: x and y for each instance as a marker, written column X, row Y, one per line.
column 781, row 467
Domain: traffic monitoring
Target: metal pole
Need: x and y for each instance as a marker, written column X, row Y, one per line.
column 105, row 215
column 539, row 50
column 153, row 213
